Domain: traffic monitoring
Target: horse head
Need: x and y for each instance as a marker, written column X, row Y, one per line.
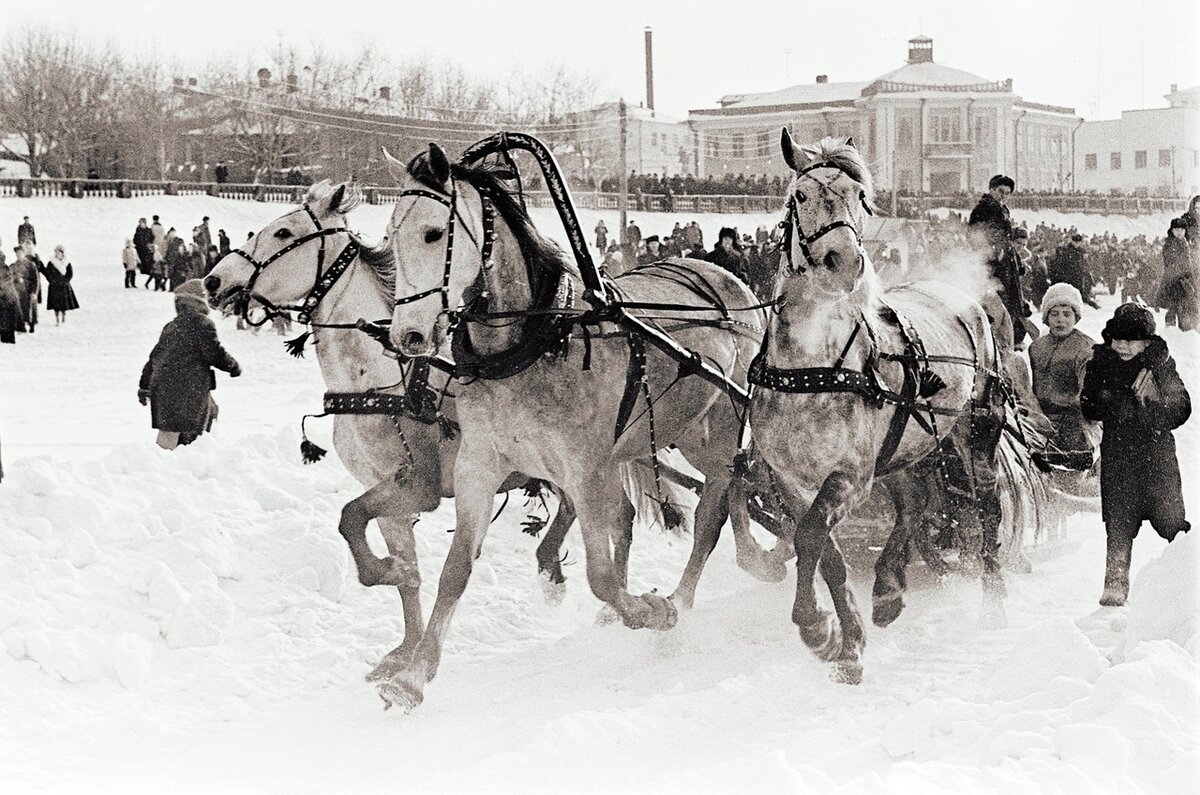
column 275, row 265
column 829, row 198
column 437, row 234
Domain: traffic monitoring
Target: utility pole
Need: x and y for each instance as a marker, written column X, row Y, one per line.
column 623, row 183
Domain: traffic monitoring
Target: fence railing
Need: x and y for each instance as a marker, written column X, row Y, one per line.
column 590, row 200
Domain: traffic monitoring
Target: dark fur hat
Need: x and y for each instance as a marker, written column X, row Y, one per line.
column 1000, row 179
column 1130, row 322
column 728, row 232
column 1178, row 223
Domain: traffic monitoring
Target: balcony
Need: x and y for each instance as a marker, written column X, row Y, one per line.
column 948, row 150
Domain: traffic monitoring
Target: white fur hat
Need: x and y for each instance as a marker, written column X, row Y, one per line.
column 1062, row 294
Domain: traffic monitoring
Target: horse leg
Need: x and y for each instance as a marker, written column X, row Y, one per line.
column 710, row 516
column 386, row 498
column 549, row 551
column 848, row 659
column 985, row 439
column 596, row 521
column 622, row 541
column 817, row 630
column 887, row 595
column 767, row 565
column 473, row 512
column 397, row 533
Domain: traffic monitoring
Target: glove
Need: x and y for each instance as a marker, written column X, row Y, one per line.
column 143, row 396
column 235, row 372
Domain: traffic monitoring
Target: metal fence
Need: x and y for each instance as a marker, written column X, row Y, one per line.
column 591, row 200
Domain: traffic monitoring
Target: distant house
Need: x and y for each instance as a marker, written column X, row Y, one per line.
column 1151, row 152
column 924, row 128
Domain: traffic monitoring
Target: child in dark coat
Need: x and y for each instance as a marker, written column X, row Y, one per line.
column 1132, row 386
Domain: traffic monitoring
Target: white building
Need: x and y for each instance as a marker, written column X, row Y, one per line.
column 1154, row 152
column 924, row 127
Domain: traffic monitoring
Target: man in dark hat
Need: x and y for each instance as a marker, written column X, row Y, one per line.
column 1069, row 265
column 653, row 251
column 203, row 240
column 26, row 233
column 992, row 230
column 728, row 254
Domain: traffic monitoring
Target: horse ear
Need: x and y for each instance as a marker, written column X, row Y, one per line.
column 850, row 142
column 439, row 163
column 789, row 149
column 335, row 201
column 395, row 167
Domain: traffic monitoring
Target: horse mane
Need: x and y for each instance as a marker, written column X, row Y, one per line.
column 841, row 154
column 379, row 258
column 542, row 255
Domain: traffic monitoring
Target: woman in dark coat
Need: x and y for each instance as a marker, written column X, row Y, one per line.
column 1177, row 293
column 60, row 296
column 1132, row 386
column 178, row 377
column 10, row 305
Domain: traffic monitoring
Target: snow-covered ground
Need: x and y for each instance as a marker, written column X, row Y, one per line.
column 190, row 621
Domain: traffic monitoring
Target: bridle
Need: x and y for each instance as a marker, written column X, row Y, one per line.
column 791, row 225
column 485, row 249
column 322, row 281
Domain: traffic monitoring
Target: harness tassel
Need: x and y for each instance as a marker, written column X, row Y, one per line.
column 930, row 384
column 296, row 346
column 671, row 515
column 310, row 453
column 448, row 427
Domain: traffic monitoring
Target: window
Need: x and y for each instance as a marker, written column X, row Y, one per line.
column 739, row 147
column 983, row 129
column 1139, row 158
column 905, row 132
column 1089, row 162
column 1164, row 158
column 944, row 127
column 654, row 139
column 712, row 147
column 764, row 144
column 1114, row 161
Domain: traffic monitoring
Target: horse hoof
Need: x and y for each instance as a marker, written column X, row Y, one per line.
column 663, row 613
column 392, row 663
column 847, row 672
column 553, row 592
column 400, row 694
column 821, row 636
column 763, row 567
column 886, row 610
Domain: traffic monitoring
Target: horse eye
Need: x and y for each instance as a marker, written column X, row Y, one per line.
column 284, row 233
column 800, row 197
column 433, row 235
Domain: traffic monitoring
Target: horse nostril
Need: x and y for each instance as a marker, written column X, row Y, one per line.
column 833, row 259
column 212, row 284
column 414, row 340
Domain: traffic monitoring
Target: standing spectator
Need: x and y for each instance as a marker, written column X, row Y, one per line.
column 1191, row 220
column 601, row 235
column 1058, row 361
column 129, row 258
column 175, row 263
column 60, row 296
column 1180, row 282
column 222, row 173
column 222, row 243
column 203, row 239
column 160, row 235
column 29, row 286
column 694, row 236
column 1069, row 266
column 143, row 241
column 993, row 230
column 197, row 259
column 10, row 305
column 26, row 233
column 1133, row 387
column 178, row 378
column 632, row 238
column 652, row 252
column 728, row 254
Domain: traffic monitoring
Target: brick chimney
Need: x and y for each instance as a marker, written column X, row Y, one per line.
column 822, row 78
column 920, row 50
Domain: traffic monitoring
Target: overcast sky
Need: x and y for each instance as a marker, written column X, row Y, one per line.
column 1098, row 56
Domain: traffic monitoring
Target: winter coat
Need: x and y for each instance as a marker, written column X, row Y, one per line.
column 179, row 373
column 1058, row 366
column 1139, row 473
column 991, row 221
column 733, row 261
column 129, row 258
column 1178, row 290
column 160, row 235
column 1068, row 266
column 11, row 320
column 60, row 296
column 29, row 287
column 26, row 234
column 143, row 241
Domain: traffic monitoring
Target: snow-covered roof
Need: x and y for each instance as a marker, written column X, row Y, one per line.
column 928, row 73
column 803, row 94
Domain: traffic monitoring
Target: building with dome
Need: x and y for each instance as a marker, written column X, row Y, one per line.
column 925, row 127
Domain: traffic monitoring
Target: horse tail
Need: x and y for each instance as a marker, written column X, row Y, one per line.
column 638, row 480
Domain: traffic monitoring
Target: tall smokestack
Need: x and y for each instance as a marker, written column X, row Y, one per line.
column 650, row 68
